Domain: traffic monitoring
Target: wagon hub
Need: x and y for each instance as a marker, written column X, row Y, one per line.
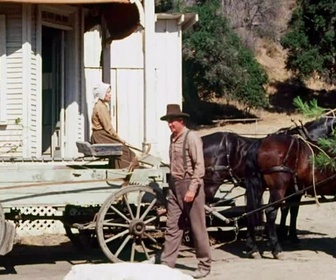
column 137, row 227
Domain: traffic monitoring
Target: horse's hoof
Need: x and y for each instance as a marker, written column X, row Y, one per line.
column 295, row 240
column 279, row 255
column 254, row 255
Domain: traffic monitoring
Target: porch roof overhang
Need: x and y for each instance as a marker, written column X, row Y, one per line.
column 67, row 1
column 122, row 17
column 185, row 20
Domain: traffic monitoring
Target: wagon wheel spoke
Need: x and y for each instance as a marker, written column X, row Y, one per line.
column 150, row 220
column 119, row 213
column 151, row 238
column 133, row 252
column 128, row 206
column 122, row 245
column 111, row 224
column 120, row 234
column 140, row 195
column 145, row 249
column 150, row 207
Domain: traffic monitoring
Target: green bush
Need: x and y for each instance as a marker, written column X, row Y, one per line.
column 311, row 40
column 217, row 64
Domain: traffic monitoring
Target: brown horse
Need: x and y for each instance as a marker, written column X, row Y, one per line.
column 225, row 156
column 282, row 163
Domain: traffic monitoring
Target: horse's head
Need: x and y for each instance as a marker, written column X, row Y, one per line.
column 322, row 127
column 214, row 156
column 313, row 130
column 224, row 157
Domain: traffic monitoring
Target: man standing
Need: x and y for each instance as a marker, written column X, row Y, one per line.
column 186, row 192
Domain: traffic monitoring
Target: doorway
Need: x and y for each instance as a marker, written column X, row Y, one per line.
column 53, row 87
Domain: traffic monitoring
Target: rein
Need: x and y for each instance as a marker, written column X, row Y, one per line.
column 283, row 167
column 332, row 177
column 216, row 168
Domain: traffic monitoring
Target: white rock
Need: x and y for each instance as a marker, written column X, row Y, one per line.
column 125, row 271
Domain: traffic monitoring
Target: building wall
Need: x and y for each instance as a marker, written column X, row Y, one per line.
column 20, row 132
column 21, row 82
column 168, row 37
column 127, row 81
column 11, row 137
column 30, row 79
column 34, row 112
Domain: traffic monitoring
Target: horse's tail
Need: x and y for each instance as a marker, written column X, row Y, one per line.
column 254, row 186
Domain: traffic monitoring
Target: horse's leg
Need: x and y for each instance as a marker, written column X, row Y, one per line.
column 283, row 230
column 251, row 244
column 271, row 214
column 294, row 211
column 252, row 224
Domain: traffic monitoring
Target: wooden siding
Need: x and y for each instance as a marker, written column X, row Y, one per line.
column 129, row 110
column 11, row 137
column 3, row 73
column 169, row 76
column 127, row 81
column 34, row 111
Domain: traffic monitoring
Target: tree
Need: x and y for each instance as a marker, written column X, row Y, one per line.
column 217, row 63
column 325, row 158
column 311, row 40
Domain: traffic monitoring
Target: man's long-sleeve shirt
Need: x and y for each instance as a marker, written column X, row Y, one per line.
column 194, row 158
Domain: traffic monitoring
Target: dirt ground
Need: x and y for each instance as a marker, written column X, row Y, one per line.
column 51, row 256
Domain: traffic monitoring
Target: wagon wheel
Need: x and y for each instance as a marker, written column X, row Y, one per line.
column 2, row 225
column 129, row 224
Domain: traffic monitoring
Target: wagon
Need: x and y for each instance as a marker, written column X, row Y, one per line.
column 124, row 209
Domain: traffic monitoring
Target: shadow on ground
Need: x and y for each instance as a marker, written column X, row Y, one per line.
column 309, row 241
column 31, row 254
column 207, row 113
column 285, row 92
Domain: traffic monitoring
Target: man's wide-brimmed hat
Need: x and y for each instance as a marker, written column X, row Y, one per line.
column 174, row 111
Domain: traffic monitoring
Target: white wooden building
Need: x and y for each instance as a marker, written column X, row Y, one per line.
column 50, row 59
column 129, row 106
column 42, row 74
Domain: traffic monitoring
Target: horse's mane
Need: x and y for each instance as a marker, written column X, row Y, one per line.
column 312, row 130
column 319, row 128
column 216, row 137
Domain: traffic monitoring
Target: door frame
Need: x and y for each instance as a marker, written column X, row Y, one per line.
column 70, row 86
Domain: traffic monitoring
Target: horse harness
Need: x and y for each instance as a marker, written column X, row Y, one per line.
column 283, row 167
column 217, row 168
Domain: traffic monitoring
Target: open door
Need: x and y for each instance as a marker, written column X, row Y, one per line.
column 53, row 72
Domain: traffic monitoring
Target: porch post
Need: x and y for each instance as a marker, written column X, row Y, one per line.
column 150, row 112
column 106, row 57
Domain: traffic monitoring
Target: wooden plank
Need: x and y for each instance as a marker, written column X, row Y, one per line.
column 79, row 193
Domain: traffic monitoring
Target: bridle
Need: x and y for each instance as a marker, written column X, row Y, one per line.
column 215, row 167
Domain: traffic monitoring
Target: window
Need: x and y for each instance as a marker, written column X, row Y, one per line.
column 3, row 71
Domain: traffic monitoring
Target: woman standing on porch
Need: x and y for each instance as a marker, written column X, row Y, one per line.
column 102, row 129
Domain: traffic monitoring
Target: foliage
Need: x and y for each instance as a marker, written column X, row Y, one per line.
column 328, row 144
column 325, row 158
column 311, row 40
column 162, row 6
column 324, row 162
column 309, row 109
column 217, row 64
